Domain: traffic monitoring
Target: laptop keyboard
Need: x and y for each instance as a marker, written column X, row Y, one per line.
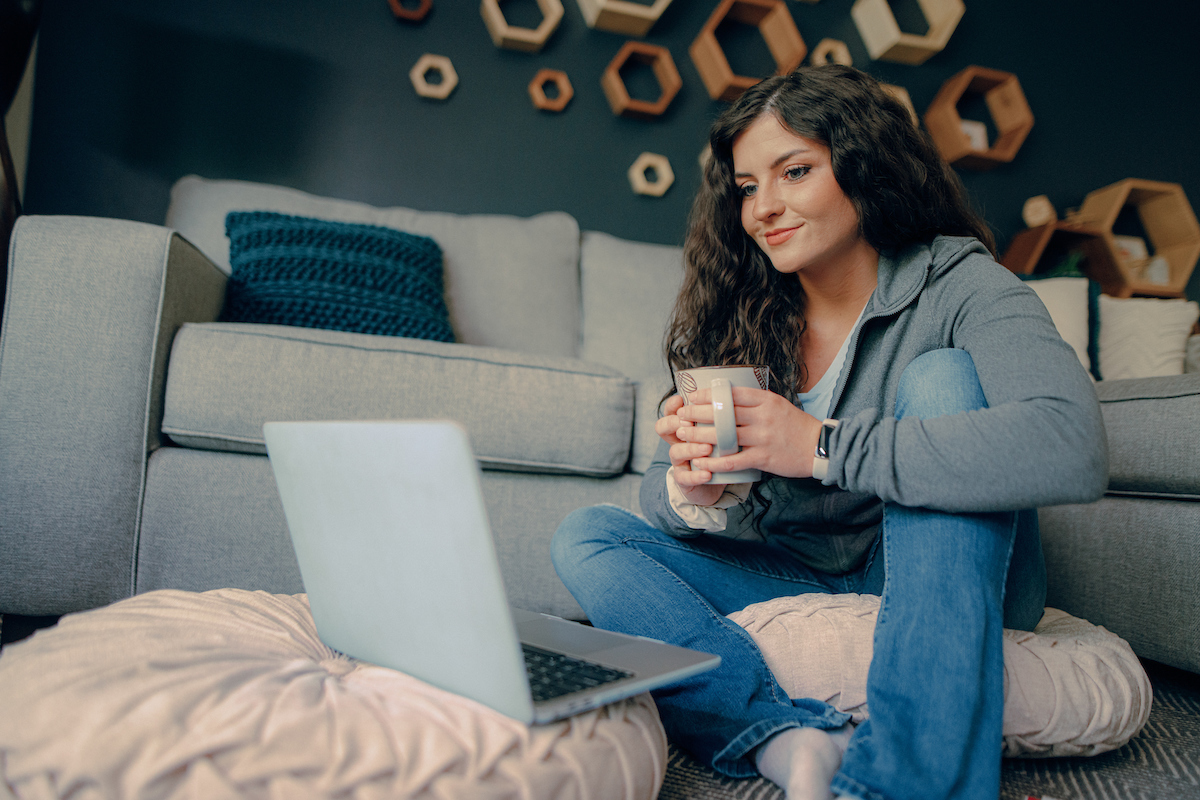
column 554, row 674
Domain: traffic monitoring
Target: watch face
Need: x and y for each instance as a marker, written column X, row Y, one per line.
column 823, row 440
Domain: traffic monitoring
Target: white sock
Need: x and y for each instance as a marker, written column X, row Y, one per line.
column 803, row 761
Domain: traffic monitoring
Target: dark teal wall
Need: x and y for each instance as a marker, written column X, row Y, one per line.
column 132, row 94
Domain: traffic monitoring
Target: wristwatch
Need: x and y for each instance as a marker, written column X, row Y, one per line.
column 820, row 466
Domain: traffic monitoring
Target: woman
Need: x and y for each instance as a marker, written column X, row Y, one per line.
column 922, row 406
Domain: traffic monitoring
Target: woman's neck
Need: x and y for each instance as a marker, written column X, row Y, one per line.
column 843, row 288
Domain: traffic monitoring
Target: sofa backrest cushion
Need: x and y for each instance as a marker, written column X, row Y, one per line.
column 511, row 282
column 629, row 289
column 524, row 412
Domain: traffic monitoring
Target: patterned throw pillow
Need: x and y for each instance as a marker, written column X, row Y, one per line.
column 314, row 273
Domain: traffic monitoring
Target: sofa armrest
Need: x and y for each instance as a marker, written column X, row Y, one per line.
column 91, row 309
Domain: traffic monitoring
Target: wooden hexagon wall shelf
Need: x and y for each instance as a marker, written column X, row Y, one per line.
column 1005, row 102
column 622, row 16
column 431, row 63
column 410, row 14
column 777, row 27
column 831, row 51
column 659, row 59
column 886, row 42
column 529, row 40
column 1042, row 248
column 1170, row 226
column 664, row 176
column 537, row 90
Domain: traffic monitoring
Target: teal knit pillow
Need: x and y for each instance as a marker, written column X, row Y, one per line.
column 314, row 273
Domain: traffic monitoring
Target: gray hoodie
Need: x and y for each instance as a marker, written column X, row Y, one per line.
column 1040, row 442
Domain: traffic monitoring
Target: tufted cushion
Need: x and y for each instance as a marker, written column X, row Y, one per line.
column 315, row 273
column 1070, row 688
column 231, row 694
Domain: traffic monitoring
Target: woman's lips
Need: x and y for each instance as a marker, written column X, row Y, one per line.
column 779, row 235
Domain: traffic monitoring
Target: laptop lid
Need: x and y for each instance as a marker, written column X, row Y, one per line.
column 391, row 535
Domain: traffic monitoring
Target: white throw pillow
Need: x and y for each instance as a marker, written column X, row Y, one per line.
column 1144, row 337
column 1070, row 688
column 1067, row 301
column 230, row 693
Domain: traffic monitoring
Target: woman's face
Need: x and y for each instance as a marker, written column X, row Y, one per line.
column 792, row 205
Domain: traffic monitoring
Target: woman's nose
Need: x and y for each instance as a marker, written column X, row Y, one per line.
column 767, row 204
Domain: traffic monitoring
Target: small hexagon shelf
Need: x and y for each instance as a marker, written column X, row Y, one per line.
column 431, row 63
column 778, row 29
column 886, row 42
column 1170, row 226
column 1005, row 102
column 622, row 16
column 411, row 14
column 537, row 90
column 529, row 40
column 659, row 59
column 831, row 50
column 664, row 176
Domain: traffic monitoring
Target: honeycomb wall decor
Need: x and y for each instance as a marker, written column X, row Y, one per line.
column 622, row 16
column 778, row 29
column 664, row 176
column 529, row 40
column 830, row 51
column 659, row 59
column 1170, row 225
column 1005, row 103
column 407, row 14
column 562, row 85
column 886, row 42
column 419, row 75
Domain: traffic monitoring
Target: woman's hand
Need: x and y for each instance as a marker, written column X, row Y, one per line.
column 774, row 435
column 691, row 483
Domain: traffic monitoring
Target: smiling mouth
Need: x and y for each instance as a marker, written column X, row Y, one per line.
column 779, row 235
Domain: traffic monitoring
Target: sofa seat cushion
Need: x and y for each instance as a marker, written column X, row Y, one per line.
column 1153, row 429
column 524, row 412
column 231, row 694
column 1070, row 688
column 511, row 282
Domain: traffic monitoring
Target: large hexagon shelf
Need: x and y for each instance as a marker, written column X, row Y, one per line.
column 1170, row 226
column 659, row 59
column 886, row 42
column 529, row 40
column 622, row 16
column 1005, row 102
column 777, row 27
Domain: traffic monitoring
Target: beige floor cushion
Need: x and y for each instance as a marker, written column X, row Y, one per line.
column 230, row 694
column 1070, row 688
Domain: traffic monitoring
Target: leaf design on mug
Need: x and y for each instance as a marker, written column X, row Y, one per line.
column 687, row 382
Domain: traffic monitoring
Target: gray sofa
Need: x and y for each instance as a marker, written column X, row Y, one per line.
column 131, row 452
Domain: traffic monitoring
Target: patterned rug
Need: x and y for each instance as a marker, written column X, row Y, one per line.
column 1161, row 763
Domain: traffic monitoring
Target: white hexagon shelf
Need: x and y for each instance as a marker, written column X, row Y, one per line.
column 664, row 176
column 831, row 51
column 886, row 42
column 431, row 63
column 622, row 16
column 529, row 40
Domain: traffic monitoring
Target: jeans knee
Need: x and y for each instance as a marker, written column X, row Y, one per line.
column 938, row 383
column 579, row 535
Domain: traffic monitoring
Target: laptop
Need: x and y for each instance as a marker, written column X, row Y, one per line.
column 397, row 556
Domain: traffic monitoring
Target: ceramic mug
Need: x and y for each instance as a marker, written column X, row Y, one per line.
column 721, row 380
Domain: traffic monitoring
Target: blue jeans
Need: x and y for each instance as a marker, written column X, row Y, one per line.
column 935, row 687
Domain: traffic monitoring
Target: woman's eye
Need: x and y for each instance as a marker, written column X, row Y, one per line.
column 796, row 173
column 747, row 189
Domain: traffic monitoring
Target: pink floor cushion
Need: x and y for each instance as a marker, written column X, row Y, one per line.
column 1070, row 688
column 230, row 694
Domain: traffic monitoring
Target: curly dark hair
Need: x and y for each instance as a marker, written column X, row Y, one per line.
column 734, row 307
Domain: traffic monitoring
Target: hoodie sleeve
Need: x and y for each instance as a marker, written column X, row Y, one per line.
column 1040, row 441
